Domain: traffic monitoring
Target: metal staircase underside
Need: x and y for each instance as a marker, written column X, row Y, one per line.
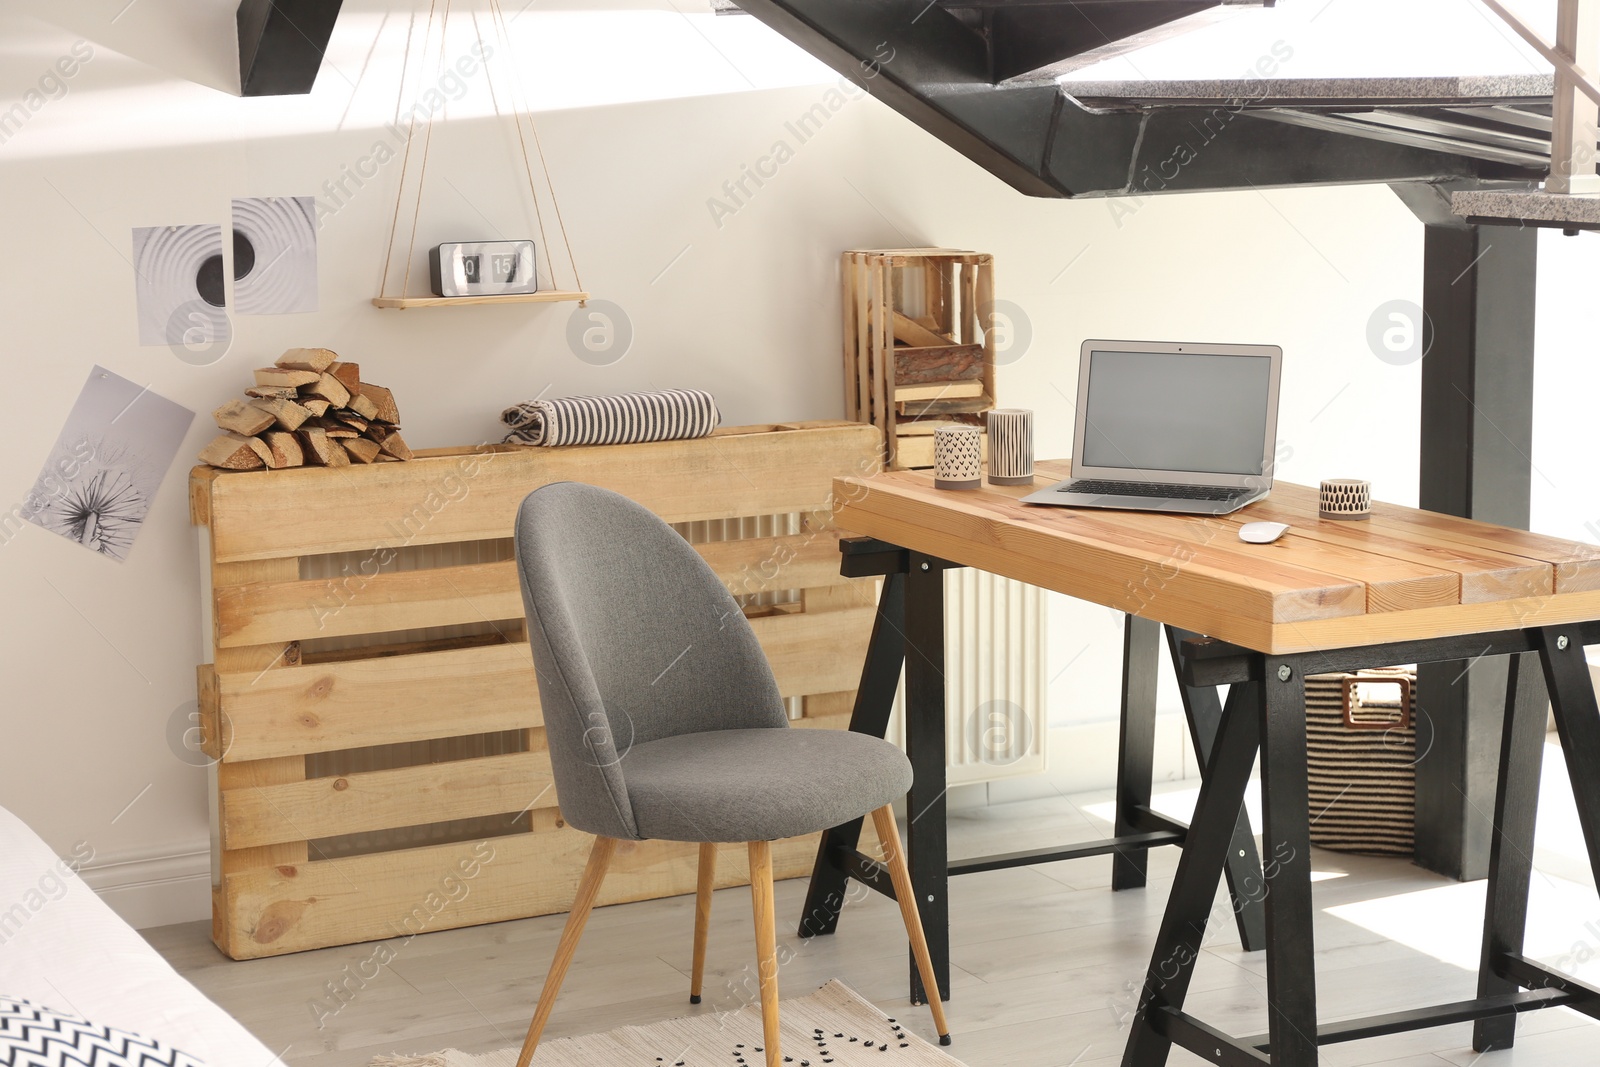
column 994, row 79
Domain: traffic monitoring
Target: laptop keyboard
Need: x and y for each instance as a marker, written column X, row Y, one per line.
column 1150, row 490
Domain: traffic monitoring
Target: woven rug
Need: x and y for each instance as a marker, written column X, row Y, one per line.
column 832, row 1027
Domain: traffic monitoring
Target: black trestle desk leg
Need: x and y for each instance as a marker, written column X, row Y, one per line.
column 1203, row 708
column 1183, row 926
column 1141, row 643
column 927, row 851
column 1572, row 698
column 1286, row 842
column 880, row 678
column 1505, row 913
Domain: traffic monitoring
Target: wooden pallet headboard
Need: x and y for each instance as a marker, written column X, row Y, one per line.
column 371, row 703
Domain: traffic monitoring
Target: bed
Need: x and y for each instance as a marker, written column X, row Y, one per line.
column 62, row 948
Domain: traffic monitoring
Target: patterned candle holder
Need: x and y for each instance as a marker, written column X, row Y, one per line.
column 1010, row 446
column 957, row 457
column 1346, row 499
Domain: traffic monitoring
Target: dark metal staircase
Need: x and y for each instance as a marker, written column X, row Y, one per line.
column 981, row 75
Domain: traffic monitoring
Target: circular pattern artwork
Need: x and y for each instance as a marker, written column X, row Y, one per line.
column 179, row 267
column 275, row 255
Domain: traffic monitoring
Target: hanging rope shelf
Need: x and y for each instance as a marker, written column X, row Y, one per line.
column 547, row 296
column 400, row 301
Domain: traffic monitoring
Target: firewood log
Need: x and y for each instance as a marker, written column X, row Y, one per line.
column 311, row 359
column 361, row 450
column 384, row 400
column 272, row 392
column 288, row 378
column 328, row 388
column 321, row 451
column 349, row 375
column 395, row 445
column 285, row 449
column 364, row 406
column 232, row 452
column 242, row 418
column 286, row 413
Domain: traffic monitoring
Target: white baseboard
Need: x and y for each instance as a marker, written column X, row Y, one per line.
column 154, row 888
column 1083, row 757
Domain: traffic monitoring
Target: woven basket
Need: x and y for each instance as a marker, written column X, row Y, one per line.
column 1361, row 761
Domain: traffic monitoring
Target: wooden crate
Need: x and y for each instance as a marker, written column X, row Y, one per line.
column 916, row 353
column 382, row 769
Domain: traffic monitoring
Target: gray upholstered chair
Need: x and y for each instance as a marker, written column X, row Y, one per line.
column 664, row 722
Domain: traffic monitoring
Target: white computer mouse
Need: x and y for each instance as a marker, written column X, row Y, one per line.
column 1262, row 533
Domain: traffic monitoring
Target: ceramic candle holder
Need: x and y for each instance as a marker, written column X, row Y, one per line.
column 957, row 457
column 1345, row 498
column 1010, row 446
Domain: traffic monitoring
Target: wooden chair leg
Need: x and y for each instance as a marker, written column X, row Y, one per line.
column 702, row 917
column 900, row 875
column 766, row 945
column 588, row 889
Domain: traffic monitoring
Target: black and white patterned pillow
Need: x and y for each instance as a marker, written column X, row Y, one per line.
column 31, row 1036
column 626, row 418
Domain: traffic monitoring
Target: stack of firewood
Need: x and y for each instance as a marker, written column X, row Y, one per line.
column 308, row 410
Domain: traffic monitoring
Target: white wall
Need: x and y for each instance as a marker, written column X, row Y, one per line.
column 1566, row 388
column 99, row 656
column 1303, row 269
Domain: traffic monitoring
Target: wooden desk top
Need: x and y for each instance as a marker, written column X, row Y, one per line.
column 1402, row 575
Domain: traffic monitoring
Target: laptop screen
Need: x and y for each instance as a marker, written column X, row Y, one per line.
column 1177, row 412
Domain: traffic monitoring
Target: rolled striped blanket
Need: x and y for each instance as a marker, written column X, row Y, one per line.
column 613, row 420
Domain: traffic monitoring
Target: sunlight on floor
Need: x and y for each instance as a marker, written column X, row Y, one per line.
column 1563, row 913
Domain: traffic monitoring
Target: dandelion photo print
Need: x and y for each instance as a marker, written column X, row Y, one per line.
column 116, row 447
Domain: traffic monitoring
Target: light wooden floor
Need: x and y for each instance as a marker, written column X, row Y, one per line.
column 1047, row 962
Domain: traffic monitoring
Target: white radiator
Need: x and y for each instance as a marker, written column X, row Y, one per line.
column 996, row 721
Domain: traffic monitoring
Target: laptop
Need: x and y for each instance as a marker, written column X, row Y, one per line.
column 1189, row 428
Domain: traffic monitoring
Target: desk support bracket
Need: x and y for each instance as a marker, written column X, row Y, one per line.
column 908, row 634
column 1203, row 707
column 1270, row 718
column 927, row 839
column 1136, row 743
column 880, row 678
column 1505, row 910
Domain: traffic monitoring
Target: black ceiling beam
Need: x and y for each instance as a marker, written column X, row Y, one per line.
column 281, row 44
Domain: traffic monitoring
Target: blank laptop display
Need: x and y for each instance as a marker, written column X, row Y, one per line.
column 1172, row 427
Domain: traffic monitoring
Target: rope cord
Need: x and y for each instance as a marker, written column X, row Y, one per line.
column 427, row 145
column 515, row 88
column 399, row 98
column 527, row 165
column 405, row 64
column 494, row 6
